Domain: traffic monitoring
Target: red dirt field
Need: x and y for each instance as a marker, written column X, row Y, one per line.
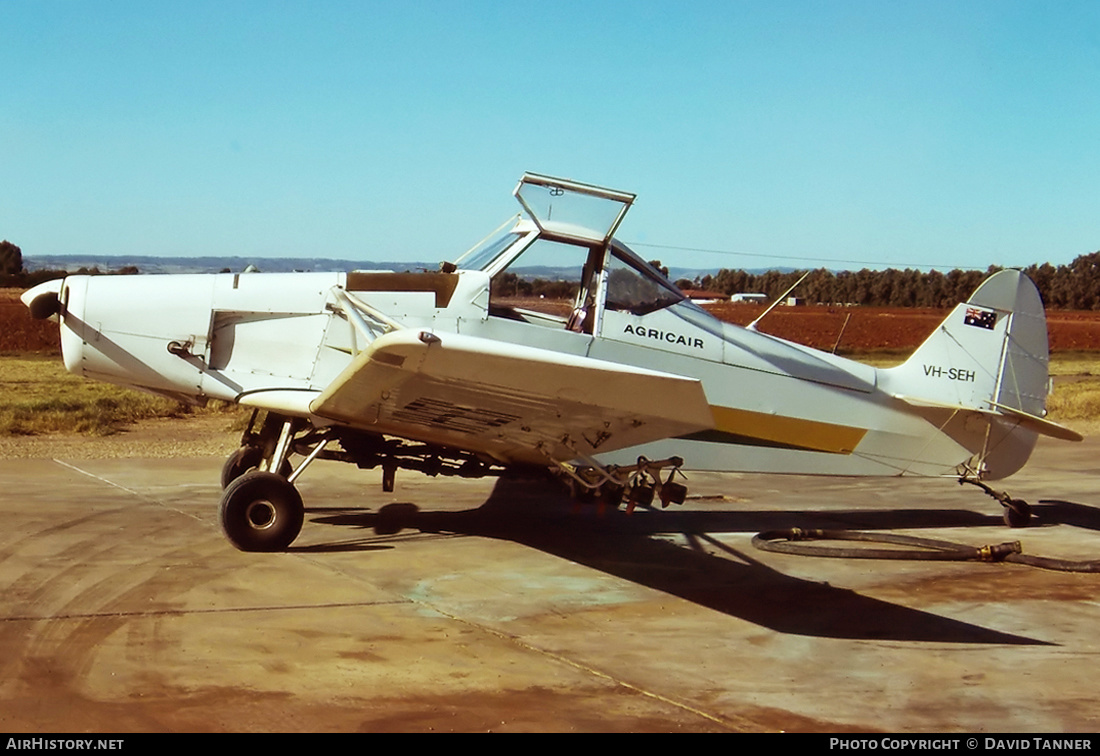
column 19, row 332
column 871, row 329
column 868, row 329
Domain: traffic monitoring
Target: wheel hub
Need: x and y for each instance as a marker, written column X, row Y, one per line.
column 261, row 514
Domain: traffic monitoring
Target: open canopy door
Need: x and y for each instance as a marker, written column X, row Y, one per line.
column 571, row 210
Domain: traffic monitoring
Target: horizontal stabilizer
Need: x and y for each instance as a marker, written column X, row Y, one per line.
column 1035, row 423
column 1041, row 425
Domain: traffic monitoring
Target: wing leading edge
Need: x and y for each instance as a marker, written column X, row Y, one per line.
column 516, row 403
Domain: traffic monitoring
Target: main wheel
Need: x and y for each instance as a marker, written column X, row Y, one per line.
column 261, row 511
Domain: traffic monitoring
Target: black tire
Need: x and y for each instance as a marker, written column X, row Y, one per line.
column 244, row 459
column 238, row 463
column 261, row 511
column 1017, row 513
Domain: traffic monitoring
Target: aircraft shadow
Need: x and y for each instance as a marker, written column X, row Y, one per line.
column 1059, row 512
column 706, row 571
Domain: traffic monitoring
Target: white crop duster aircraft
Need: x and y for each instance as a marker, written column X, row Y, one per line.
column 438, row 372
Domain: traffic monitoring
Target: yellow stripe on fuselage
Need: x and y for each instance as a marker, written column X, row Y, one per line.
column 793, row 432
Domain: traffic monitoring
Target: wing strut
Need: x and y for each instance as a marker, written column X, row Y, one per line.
column 354, row 308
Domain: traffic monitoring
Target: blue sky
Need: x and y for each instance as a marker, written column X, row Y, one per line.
column 796, row 133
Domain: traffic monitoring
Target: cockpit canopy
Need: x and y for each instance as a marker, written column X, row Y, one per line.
column 569, row 210
column 566, row 232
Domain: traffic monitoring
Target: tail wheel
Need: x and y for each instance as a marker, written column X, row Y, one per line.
column 261, row 511
column 1017, row 513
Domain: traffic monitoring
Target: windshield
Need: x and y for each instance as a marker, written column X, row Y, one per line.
column 482, row 255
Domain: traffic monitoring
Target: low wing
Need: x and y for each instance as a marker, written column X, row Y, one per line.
column 516, row 403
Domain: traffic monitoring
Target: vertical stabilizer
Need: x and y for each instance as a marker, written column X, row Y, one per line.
column 989, row 356
column 990, row 353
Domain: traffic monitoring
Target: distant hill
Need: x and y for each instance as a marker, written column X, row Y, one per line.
column 151, row 264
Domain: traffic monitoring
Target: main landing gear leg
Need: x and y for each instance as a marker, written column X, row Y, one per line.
column 261, row 510
column 259, row 448
column 1017, row 512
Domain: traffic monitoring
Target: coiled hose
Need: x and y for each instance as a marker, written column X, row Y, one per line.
column 793, row 542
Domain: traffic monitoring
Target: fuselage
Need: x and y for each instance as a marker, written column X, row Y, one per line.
column 277, row 340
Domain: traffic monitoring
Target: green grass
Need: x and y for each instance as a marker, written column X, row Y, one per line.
column 1075, row 363
column 37, row 396
column 1076, row 395
column 1079, row 400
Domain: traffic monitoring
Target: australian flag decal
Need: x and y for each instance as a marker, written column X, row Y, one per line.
column 979, row 318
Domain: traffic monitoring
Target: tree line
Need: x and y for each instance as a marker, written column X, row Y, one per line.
column 13, row 276
column 1075, row 286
